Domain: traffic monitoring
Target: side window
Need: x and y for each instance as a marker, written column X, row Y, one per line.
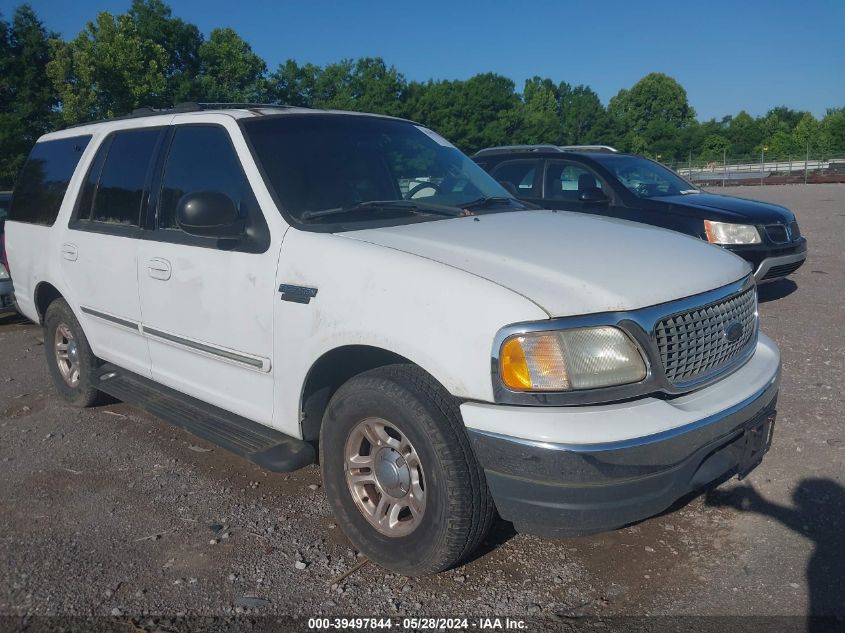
column 520, row 173
column 565, row 180
column 201, row 158
column 89, row 187
column 122, row 178
column 44, row 180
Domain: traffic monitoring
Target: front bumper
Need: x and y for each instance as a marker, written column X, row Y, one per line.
column 565, row 489
column 771, row 262
column 774, row 268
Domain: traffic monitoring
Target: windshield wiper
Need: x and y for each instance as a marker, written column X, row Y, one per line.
column 483, row 203
column 411, row 206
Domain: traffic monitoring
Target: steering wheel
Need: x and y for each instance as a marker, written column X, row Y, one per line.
column 643, row 189
column 419, row 187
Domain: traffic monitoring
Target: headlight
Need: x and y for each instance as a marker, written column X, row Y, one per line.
column 566, row 360
column 726, row 233
column 4, row 274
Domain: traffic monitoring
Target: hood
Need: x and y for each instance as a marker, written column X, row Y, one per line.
column 569, row 263
column 732, row 209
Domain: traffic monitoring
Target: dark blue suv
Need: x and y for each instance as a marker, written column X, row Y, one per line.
column 598, row 179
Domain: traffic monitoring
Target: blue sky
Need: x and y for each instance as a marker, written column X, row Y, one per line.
column 728, row 55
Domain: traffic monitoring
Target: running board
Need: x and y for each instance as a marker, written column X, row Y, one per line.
column 260, row 444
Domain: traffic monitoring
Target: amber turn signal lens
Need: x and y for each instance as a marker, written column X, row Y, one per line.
column 513, row 366
column 564, row 360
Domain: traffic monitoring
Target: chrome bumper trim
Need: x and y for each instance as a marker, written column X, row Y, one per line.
column 635, row 442
column 624, row 461
column 771, row 262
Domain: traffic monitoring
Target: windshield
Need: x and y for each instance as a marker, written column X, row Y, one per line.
column 644, row 177
column 321, row 165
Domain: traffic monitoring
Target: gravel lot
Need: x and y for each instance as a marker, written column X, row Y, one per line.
column 110, row 511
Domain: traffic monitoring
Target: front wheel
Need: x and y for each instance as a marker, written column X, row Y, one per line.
column 399, row 471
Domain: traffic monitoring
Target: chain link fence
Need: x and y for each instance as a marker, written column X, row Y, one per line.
column 829, row 167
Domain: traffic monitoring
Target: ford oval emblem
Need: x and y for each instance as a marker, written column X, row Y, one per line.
column 733, row 332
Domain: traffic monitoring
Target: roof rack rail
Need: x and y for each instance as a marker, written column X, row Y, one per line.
column 589, row 148
column 518, row 148
column 224, row 105
column 545, row 148
column 187, row 106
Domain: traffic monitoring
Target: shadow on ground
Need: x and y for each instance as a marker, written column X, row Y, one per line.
column 776, row 290
column 13, row 318
column 818, row 514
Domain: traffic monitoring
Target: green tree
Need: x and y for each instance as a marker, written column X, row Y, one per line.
column 107, row 70
column 333, row 86
column 807, row 134
column 714, row 148
column 154, row 21
column 540, row 113
column 585, row 120
column 150, row 57
column 229, row 70
column 27, row 98
column 377, row 87
column 833, row 130
column 771, row 124
column 662, row 139
column 293, row 84
column 650, row 114
column 779, row 146
column 655, row 97
column 786, row 117
column 365, row 85
column 484, row 110
column 745, row 135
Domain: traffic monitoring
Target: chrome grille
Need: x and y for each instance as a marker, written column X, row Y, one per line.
column 695, row 343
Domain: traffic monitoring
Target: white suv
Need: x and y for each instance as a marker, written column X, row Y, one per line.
column 280, row 279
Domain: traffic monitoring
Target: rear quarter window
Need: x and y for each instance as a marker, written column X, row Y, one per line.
column 44, row 180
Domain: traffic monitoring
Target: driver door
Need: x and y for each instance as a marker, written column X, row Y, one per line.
column 563, row 183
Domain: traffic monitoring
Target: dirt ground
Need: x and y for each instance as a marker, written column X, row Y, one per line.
column 109, row 512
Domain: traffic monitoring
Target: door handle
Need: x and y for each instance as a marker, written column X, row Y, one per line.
column 159, row 268
column 70, row 252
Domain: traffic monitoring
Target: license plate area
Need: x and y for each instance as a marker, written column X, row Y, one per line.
column 755, row 443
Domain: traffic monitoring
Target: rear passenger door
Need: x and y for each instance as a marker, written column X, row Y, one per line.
column 208, row 303
column 99, row 256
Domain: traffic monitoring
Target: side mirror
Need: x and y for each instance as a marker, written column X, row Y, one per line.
column 592, row 195
column 209, row 214
column 509, row 187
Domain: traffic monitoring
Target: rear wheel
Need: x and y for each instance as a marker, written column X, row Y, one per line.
column 399, row 471
column 69, row 357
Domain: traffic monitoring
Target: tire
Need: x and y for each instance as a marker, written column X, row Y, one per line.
column 79, row 392
column 456, row 511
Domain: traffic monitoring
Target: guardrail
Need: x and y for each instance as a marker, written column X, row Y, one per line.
column 827, row 169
